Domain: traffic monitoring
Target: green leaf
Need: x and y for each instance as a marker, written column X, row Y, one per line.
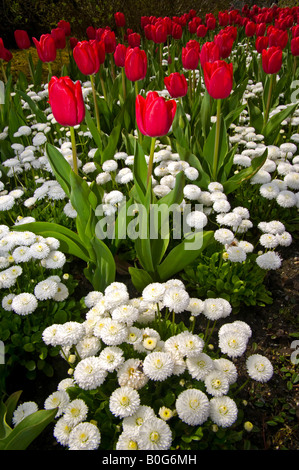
column 255, row 116
column 40, row 115
column 140, row 278
column 70, row 242
column 181, row 256
column 208, row 149
column 244, row 175
column 270, row 129
column 60, row 166
column 28, row 430
column 93, row 129
column 112, row 144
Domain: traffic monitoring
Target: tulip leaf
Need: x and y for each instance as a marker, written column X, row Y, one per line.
column 70, row 242
column 108, row 152
column 244, row 175
column 40, row 115
column 60, row 166
column 183, row 254
column 93, row 129
column 270, row 129
column 27, row 430
column 140, row 278
column 255, row 116
column 140, row 167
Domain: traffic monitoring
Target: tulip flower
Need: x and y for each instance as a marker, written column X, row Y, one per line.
column 66, row 101
column 87, row 57
column 190, row 58
column 73, row 42
column 261, row 43
column 65, row 25
column 223, row 18
column 22, row 39
column 278, row 38
column 154, row 117
column 91, row 32
column 225, row 43
column 135, row 64
column 176, row 31
column 250, row 29
column 134, row 40
column 201, row 31
column 271, row 62
column 218, row 78
column 272, row 59
column 119, row 59
column 176, row 85
column 109, row 40
column 58, row 34
column 295, row 46
column 120, row 19
column 209, row 53
column 46, row 48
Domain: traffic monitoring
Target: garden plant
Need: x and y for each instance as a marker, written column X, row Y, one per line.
column 148, row 188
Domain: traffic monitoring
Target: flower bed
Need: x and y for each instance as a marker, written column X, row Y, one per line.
column 148, row 189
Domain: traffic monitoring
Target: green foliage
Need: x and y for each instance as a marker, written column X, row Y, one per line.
column 27, row 430
column 240, row 284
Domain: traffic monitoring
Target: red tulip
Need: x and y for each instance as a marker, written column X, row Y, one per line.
column 218, row 78
column 135, row 64
column 65, row 25
column 190, row 58
column 73, row 42
column 176, row 31
column 210, row 21
column 66, row 101
column 260, row 29
column 149, row 31
column 58, row 34
column 223, row 18
column 209, row 53
column 272, row 59
column 5, row 54
column 154, row 114
column 160, row 33
column 201, row 31
column 250, row 29
column 88, row 56
column 91, row 32
column 22, row 39
column 261, row 43
column 120, row 19
column 176, row 84
column 278, row 38
column 120, row 55
column 295, row 46
column 134, row 40
column 109, row 40
column 225, row 43
column 46, row 48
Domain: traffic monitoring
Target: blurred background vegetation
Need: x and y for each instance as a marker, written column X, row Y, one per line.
column 40, row 16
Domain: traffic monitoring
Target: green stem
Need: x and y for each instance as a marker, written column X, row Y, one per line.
column 123, row 82
column 73, row 139
column 151, row 160
column 3, row 71
column 50, row 70
column 217, row 136
column 267, row 110
column 136, row 94
column 95, row 102
column 103, row 85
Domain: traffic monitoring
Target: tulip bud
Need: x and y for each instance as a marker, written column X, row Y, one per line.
column 58, row 35
column 120, row 19
column 66, row 101
column 65, row 25
column 209, row 53
column 135, row 64
column 218, row 77
column 22, row 39
column 261, row 43
column 134, row 40
column 46, row 48
column 190, row 58
column 295, row 46
column 154, row 114
column 120, row 55
column 88, row 56
column 109, row 40
column 176, row 85
column 272, row 60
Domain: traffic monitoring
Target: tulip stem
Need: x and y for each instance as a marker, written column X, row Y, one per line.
column 123, row 77
column 217, row 136
column 267, row 110
column 151, row 160
column 3, row 71
column 136, row 94
column 102, row 85
column 73, row 140
column 95, row 102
